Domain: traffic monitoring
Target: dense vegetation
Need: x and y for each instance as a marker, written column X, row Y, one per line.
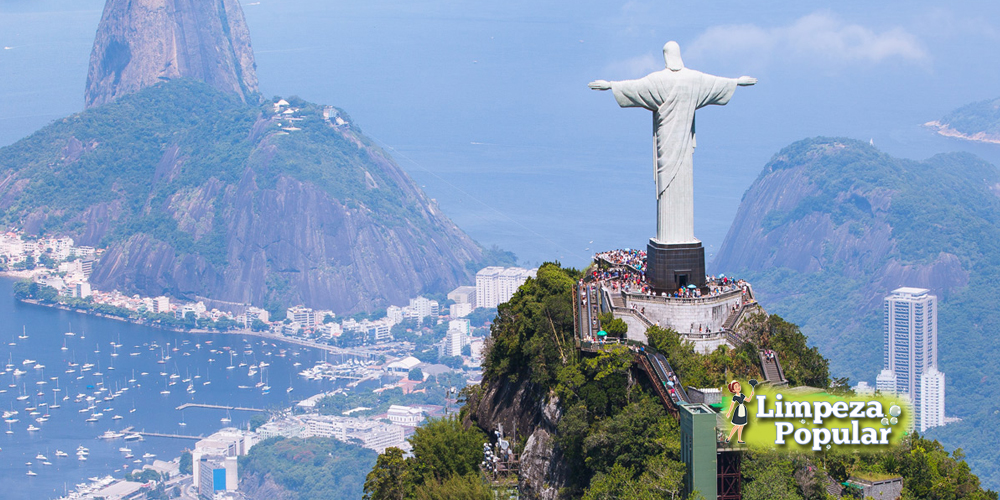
column 433, row 391
column 616, row 438
column 119, row 147
column 309, row 469
column 169, row 173
column 971, row 119
column 444, row 465
column 946, row 203
column 928, row 472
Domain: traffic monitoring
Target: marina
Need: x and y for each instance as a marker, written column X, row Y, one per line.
column 75, row 389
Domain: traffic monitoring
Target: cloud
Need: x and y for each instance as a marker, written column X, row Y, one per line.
column 634, row 67
column 819, row 38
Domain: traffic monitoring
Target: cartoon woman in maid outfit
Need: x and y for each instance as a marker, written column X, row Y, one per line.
column 740, row 415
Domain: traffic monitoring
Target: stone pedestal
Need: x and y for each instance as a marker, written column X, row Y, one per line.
column 673, row 266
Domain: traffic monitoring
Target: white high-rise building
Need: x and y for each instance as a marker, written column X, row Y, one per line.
column 456, row 338
column 910, row 351
column 931, row 399
column 464, row 295
column 395, row 314
column 487, row 280
column 886, row 382
column 496, row 285
column 460, row 310
column 424, row 307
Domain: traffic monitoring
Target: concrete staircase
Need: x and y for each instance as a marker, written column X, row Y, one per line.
column 772, row 369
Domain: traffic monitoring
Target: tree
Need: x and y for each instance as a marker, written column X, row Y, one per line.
column 47, row 261
column 257, row 420
column 328, row 319
column 416, row 374
column 616, row 328
column 453, row 362
column 45, row 293
column 444, row 447
column 468, row 487
column 258, row 326
column 388, row 480
column 186, row 463
column 617, row 484
column 466, row 350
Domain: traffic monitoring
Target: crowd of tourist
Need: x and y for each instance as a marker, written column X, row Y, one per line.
column 635, row 259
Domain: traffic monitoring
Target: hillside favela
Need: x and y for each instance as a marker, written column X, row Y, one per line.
column 455, row 250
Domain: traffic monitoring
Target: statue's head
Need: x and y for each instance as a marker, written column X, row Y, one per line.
column 672, row 56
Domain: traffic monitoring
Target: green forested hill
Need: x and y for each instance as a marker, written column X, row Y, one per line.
column 978, row 120
column 831, row 226
column 307, row 469
column 195, row 193
column 587, row 426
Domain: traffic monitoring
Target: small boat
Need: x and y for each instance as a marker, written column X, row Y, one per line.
column 148, row 455
column 61, row 453
column 30, row 473
column 32, row 428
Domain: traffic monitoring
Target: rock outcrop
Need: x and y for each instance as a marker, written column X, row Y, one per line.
column 806, row 214
column 525, row 413
column 977, row 121
column 143, row 42
column 832, row 226
column 289, row 205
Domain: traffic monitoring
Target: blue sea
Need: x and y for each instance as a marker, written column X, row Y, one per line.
column 53, row 362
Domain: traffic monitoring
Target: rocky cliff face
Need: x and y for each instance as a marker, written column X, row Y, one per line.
column 279, row 204
column 522, row 411
column 832, row 226
column 803, row 214
column 142, row 42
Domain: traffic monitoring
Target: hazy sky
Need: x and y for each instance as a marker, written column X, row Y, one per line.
column 487, row 107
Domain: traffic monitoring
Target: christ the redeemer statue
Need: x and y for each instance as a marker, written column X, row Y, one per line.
column 673, row 95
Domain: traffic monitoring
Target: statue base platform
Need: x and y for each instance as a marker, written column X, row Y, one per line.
column 670, row 266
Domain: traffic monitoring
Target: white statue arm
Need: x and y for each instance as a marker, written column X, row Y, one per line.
column 600, row 85
column 745, row 81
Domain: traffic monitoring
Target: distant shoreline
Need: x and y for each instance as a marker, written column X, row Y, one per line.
column 244, row 332
column 946, row 130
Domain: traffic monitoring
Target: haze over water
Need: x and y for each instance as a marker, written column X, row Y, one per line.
column 487, row 107
column 67, row 428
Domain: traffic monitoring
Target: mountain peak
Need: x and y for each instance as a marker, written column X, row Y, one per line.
column 142, row 42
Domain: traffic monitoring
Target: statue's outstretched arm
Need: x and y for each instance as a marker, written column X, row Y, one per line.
column 600, row 85
column 744, row 81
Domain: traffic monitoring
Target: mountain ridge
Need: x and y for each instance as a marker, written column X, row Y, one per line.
column 242, row 204
column 832, row 225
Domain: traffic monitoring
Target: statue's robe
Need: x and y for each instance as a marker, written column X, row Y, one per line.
column 673, row 97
